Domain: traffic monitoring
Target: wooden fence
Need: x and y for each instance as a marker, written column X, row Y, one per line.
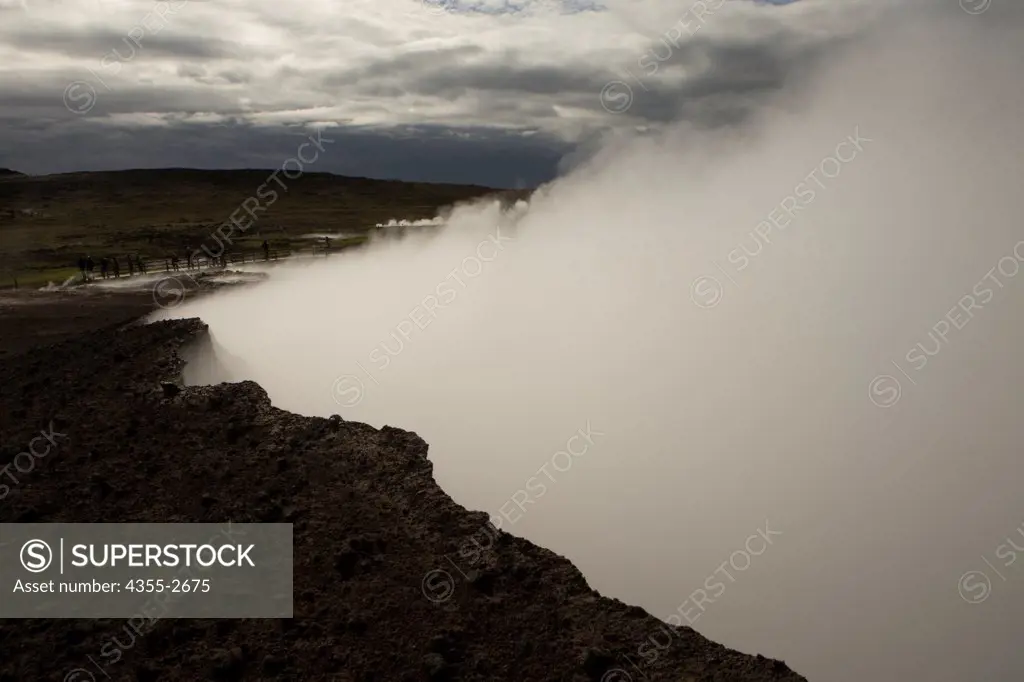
column 202, row 262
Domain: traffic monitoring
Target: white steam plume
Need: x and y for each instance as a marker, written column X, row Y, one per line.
column 742, row 351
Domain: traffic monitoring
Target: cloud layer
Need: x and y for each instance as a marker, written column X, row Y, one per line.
column 492, row 92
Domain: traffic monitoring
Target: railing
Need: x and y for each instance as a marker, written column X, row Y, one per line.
column 202, row 262
column 227, row 260
column 209, row 263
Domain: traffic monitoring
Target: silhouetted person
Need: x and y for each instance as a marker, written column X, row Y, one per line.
column 82, row 267
column 174, row 263
column 116, row 266
column 131, row 266
column 266, row 250
column 142, row 266
column 104, row 266
column 327, row 243
column 90, row 266
column 167, row 264
column 189, row 260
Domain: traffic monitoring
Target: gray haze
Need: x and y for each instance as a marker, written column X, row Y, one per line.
column 726, row 403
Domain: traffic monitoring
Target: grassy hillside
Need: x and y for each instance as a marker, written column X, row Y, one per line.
column 47, row 222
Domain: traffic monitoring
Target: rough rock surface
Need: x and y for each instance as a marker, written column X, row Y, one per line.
column 372, row 532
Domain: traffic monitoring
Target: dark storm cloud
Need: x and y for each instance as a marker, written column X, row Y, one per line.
column 199, row 74
column 407, row 66
column 509, row 77
column 733, row 67
column 92, row 44
column 43, row 99
column 721, row 76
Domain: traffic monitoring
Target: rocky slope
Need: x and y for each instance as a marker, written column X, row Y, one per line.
column 393, row 580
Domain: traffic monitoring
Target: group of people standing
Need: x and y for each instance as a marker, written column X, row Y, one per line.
column 192, row 262
column 109, row 267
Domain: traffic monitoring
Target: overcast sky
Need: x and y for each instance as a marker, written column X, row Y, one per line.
column 493, row 92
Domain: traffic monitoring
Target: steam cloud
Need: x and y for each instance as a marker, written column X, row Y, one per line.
column 741, row 314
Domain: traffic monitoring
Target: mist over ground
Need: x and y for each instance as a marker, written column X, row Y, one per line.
column 799, row 392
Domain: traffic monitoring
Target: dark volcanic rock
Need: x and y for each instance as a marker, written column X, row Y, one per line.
column 377, row 596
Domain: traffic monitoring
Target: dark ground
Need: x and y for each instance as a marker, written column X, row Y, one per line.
column 30, row 319
column 371, row 529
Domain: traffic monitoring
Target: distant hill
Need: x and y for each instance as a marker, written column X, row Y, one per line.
column 8, row 173
column 47, row 221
